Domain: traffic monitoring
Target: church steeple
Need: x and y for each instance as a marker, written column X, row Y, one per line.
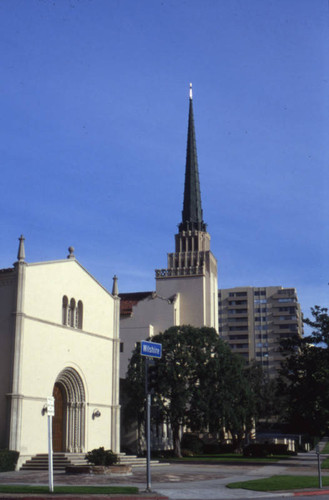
column 192, row 216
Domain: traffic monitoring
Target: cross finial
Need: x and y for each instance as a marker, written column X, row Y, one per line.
column 191, row 94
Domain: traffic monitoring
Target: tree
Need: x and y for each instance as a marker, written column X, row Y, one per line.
column 304, row 377
column 264, row 391
column 201, row 384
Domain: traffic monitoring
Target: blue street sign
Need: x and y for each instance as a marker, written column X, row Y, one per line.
column 151, row 349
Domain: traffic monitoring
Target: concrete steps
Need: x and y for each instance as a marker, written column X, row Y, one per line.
column 61, row 460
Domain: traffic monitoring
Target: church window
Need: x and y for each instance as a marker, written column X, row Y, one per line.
column 78, row 315
column 121, row 346
column 71, row 315
column 64, row 310
column 72, row 312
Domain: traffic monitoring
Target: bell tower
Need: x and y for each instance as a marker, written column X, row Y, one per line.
column 192, row 268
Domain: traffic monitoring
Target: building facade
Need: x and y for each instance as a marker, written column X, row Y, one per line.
column 59, row 333
column 253, row 321
column 187, row 290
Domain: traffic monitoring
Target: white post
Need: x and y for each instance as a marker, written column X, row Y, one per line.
column 51, row 413
column 50, row 454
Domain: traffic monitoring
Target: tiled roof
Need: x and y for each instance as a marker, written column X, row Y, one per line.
column 128, row 300
column 8, row 270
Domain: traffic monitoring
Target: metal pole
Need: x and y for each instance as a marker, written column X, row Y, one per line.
column 148, row 428
column 319, row 466
column 50, row 455
column 148, row 440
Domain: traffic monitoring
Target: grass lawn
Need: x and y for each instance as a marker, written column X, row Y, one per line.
column 230, row 457
column 326, row 448
column 81, row 490
column 278, row 483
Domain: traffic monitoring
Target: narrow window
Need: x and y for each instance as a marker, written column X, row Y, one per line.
column 79, row 314
column 71, row 315
column 64, row 310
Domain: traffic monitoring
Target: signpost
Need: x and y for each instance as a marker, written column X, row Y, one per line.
column 317, row 450
column 150, row 350
column 50, row 413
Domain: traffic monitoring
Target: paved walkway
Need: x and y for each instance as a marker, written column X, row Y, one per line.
column 182, row 481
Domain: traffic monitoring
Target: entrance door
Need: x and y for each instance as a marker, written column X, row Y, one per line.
column 58, row 420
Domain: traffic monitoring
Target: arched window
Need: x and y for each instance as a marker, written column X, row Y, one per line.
column 79, row 315
column 71, row 315
column 64, row 310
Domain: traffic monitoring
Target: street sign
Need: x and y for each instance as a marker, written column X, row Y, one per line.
column 50, row 406
column 151, row 349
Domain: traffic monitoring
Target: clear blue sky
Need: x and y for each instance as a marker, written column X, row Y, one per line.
column 94, row 103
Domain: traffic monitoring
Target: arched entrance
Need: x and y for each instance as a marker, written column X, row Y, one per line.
column 69, row 419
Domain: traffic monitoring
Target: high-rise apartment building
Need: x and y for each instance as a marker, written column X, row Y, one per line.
column 254, row 321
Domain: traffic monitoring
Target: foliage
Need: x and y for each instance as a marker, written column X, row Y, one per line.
column 8, row 460
column 255, row 450
column 265, row 449
column 304, row 378
column 217, row 448
column 201, row 384
column 99, row 456
column 192, row 443
column 264, row 392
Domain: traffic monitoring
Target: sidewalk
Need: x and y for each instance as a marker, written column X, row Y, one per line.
column 180, row 481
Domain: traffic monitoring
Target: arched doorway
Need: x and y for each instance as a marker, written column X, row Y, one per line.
column 58, row 419
column 69, row 419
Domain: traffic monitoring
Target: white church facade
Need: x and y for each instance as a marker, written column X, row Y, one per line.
column 59, row 334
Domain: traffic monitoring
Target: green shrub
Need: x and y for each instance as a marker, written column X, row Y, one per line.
column 257, row 450
column 99, row 456
column 277, row 449
column 193, row 443
column 8, row 460
column 187, row 453
column 217, row 448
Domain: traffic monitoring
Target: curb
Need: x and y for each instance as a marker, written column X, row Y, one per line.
column 311, row 493
column 74, row 496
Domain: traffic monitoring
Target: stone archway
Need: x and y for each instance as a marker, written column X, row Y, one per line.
column 69, row 420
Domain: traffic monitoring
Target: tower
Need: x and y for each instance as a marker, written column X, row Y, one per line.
column 192, row 268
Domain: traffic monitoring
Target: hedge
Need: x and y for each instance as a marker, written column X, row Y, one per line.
column 8, row 460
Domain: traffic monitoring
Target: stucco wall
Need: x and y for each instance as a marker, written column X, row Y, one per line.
column 46, row 283
column 150, row 317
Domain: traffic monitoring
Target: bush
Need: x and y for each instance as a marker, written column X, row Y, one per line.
column 257, row 450
column 277, row 449
column 193, row 443
column 99, row 456
column 217, row 448
column 8, row 460
column 261, row 450
column 187, row 453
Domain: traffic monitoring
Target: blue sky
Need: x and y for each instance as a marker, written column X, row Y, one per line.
column 94, row 103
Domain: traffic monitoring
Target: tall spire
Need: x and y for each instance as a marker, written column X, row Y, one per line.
column 192, row 216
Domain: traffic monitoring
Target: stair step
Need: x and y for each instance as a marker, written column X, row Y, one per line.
column 61, row 460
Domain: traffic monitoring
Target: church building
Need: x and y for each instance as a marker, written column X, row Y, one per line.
column 59, row 335
column 187, row 290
